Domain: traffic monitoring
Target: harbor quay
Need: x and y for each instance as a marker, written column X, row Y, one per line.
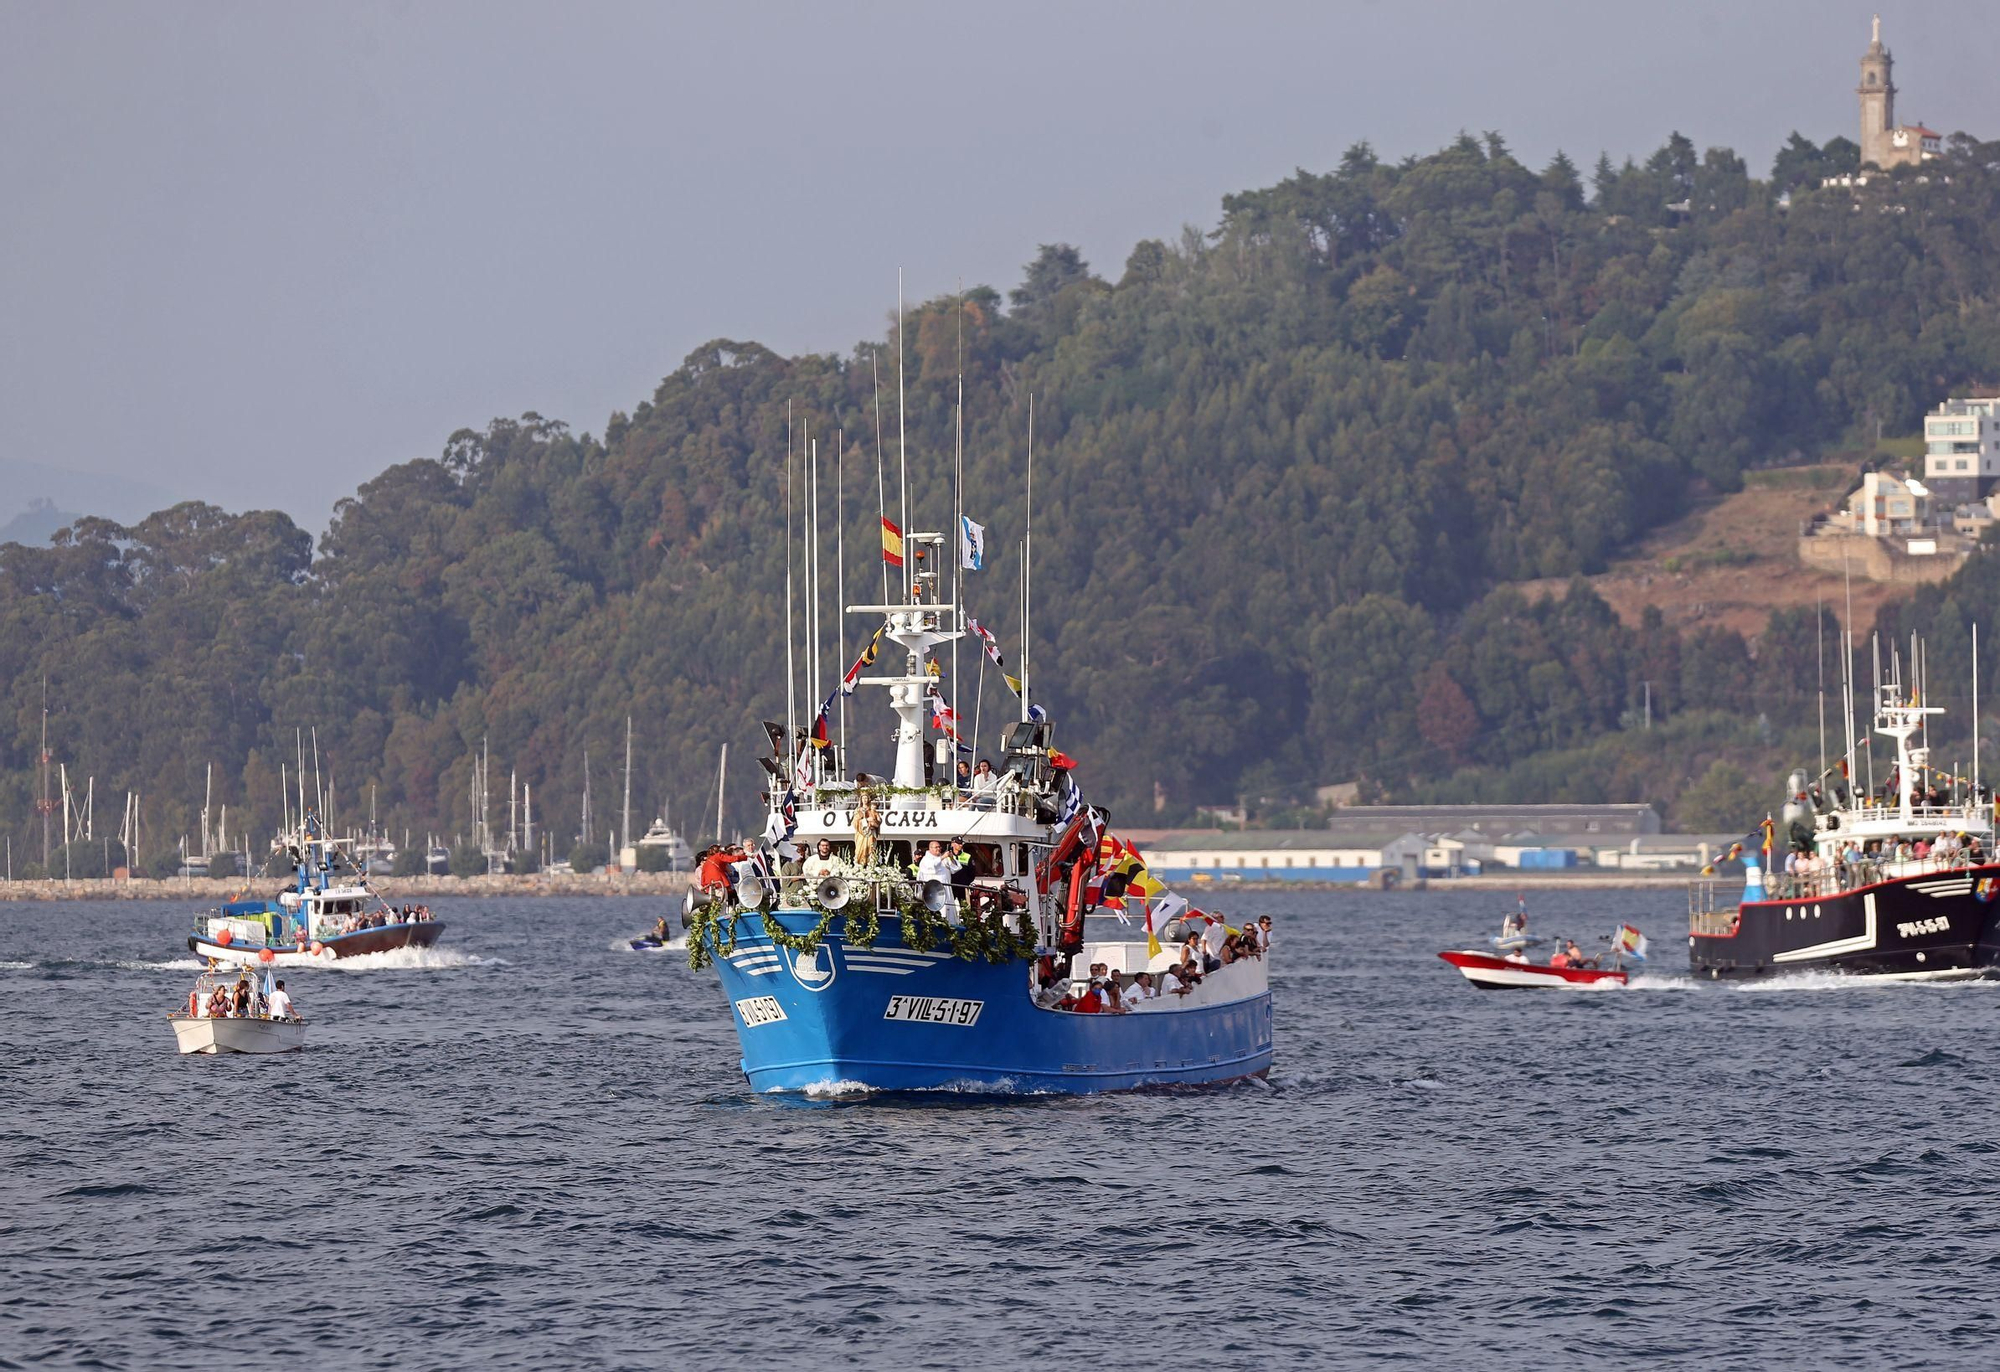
column 394, row 890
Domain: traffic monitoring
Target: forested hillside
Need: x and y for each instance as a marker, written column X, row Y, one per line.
column 1283, row 470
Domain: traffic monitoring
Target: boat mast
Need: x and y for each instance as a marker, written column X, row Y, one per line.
column 902, row 432
column 625, row 821
column 840, row 577
column 1028, row 563
column 721, row 772
column 44, row 805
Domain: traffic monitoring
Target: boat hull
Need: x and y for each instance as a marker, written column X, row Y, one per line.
column 1490, row 973
column 421, row 934
column 1930, row 926
column 888, row 1018
column 215, row 1036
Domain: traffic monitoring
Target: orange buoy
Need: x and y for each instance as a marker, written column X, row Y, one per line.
column 266, row 955
column 225, row 937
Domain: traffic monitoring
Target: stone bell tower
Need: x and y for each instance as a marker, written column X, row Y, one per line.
column 1878, row 100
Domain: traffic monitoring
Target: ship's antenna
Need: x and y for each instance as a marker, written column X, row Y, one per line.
column 840, row 576
column 791, row 628
column 1847, row 671
column 1819, row 642
column 299, row 742
column 881, row 460
column 1876, row 691
column 319, row 792
column 902, row 432
column 1975, row 710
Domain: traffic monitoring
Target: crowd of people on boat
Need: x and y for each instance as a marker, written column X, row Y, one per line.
column 1203, row 953
column 244, row 1000
column 1807, row 872
column 944, row 870
column 384, row 917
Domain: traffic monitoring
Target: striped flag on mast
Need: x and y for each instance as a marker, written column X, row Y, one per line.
column 892, row 542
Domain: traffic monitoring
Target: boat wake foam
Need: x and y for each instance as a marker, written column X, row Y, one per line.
column 170, row 965
column 15, row 966
column 412, row 959
column 1861, row 981
column 1661, row 982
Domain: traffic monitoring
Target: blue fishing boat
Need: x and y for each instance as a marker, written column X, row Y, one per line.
column 921, row 931
column 327, row 912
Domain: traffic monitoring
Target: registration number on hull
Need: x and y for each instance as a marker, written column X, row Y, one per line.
column 756, row 1010
column 1937, row 924
column 962, row 1014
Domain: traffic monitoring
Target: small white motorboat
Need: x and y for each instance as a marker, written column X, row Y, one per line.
column 215, row 1021
column 198, row 1035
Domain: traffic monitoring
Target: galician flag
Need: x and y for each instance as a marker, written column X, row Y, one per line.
column 971, row 544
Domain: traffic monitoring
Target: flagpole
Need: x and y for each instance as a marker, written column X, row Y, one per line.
column 840, row 576
column 813, row 675
column 958, row 513
column 791, row 626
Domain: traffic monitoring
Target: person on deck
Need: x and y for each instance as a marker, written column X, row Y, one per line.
column 823, row 863
column 984, row 778
column 1212, row 940
column 713, row 875
column 1575, row 954
column 1173, row 983
column 281, row 1004
column 963, row 868
column 934, row 878
column 1515, row 923
column 1560, row 959
column 240, row 999
column 1264, row 931
column 1142, row 989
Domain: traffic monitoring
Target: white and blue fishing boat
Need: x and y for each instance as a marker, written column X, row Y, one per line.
column 327, row 912
column 848, row 973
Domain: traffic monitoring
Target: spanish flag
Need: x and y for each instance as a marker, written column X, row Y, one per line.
column 892, row 543
column 1769, row 827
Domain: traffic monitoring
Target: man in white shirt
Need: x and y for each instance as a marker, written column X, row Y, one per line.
column 1213, row 938
column 1264, row 932
column 1171, row 983
column 823, row 863
column 1142, row 989
column 281, row 1004
column 934, row 879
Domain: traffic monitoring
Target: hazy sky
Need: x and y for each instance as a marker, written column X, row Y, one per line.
column 254, row 253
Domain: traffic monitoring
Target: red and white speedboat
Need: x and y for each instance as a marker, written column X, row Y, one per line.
column 1493, row 972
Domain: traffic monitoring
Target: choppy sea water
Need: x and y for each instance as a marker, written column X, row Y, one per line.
column 527, row 1148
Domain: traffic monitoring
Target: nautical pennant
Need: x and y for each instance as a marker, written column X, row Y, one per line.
column 867, row 659
column 985, row 636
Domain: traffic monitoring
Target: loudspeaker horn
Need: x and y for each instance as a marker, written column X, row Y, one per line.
column 833, row 893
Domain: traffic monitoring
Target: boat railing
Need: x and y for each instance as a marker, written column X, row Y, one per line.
column 1703, row 916
column 1850, row 874
column 1961, row 816
column 844, row 797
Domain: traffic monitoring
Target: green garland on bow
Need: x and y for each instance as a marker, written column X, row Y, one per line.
column 713, row 929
